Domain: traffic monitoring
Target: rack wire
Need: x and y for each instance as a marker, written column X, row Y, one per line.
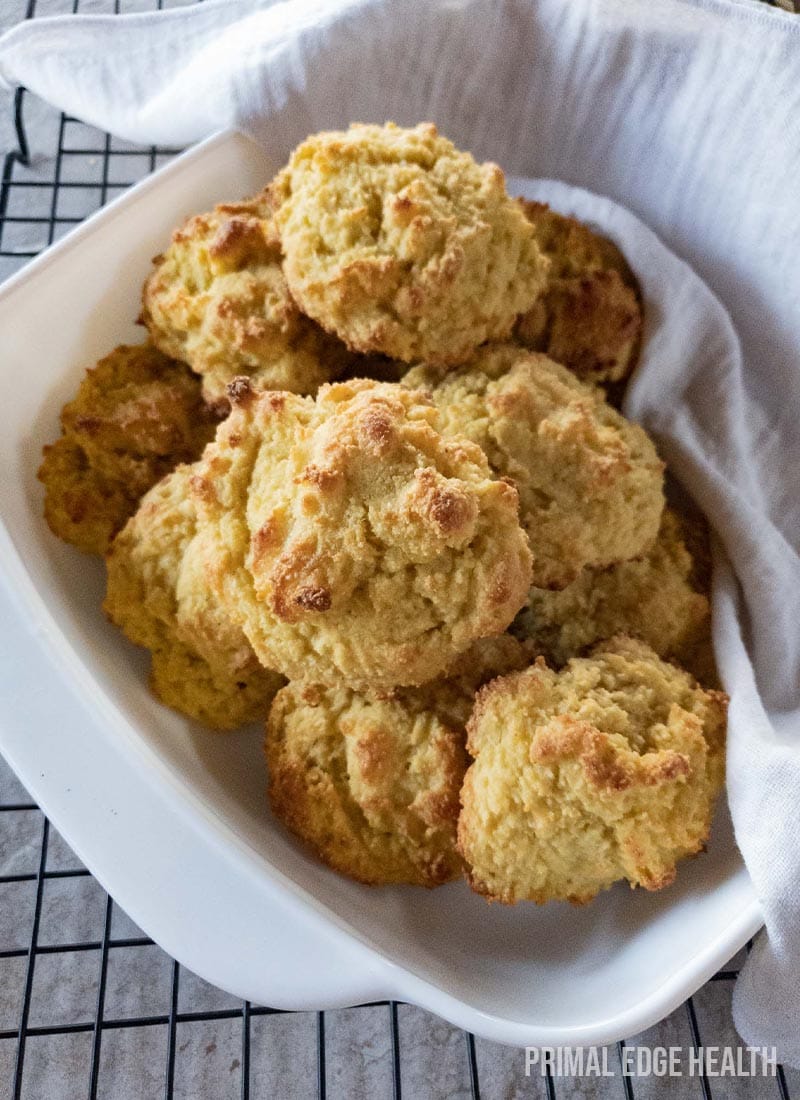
column 395, row 1050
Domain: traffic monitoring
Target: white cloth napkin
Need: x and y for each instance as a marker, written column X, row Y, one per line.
column 685, row 111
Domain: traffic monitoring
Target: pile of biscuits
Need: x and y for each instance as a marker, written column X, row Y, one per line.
column 367, row 481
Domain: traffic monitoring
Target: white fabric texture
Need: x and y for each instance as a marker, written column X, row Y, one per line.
column 687, row 112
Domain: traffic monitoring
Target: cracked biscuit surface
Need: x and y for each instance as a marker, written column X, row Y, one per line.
column 202, row 664
column 589, row 315
column 352, row 540
column 655, row 598
column 590, row 481
column 607, row 770
column 370, row 781
column 218, row 300
column 136, row 415
column 403, row 245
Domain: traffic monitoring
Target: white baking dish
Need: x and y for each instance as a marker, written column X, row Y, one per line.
column 173, row 819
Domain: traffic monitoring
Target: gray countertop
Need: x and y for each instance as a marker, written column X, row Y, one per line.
column 97, row 1004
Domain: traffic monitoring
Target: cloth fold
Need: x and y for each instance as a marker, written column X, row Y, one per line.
column 688, row 113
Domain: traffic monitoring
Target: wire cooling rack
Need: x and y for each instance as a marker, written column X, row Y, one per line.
column 89, row 1005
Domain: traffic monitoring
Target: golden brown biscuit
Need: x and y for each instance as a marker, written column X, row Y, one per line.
column 218, row 300
column 653, row 598
column 202, row 664
column 590, row 315
column 371, row 781
column 402, row 245
column 590, row 481
column 452, row 697
column 354, row 542
column 136, row 415
column 81, row 506
column 208, row 693
column 607, row 770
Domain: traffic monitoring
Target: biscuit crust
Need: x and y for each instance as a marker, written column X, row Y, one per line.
column 218, row 300
column 136, row 415
column 81, row 506
column 370, row 784
column 403, row 245
column 590, row 481
column 202, row 664
column 607, row 770
column 369, row 780
column 354, row 542
column 654, row 598
column 589, row 316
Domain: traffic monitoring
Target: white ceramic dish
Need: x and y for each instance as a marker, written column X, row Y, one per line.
column 172, row 819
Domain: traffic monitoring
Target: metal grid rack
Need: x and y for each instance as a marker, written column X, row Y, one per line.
column 88, row 1004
